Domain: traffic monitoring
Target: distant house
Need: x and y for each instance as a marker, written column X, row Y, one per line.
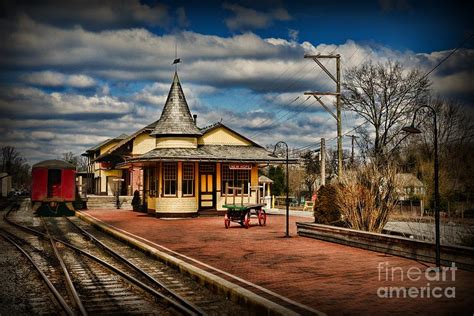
column 178, row 168
column 409, row 187
column 5, row 184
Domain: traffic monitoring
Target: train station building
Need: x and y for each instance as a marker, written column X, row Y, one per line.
column 178, row 168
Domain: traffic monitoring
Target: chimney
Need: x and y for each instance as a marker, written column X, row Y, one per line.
column 195, row 118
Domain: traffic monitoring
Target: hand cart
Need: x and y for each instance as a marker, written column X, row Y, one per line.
column 242, row 212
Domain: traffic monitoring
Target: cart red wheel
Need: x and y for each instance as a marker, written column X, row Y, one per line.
column 262, row 218
column 226, row 221
column 247, row 221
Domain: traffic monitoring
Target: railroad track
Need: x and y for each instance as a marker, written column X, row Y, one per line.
column 31, row 247
column 108, row 276
column 91, row 282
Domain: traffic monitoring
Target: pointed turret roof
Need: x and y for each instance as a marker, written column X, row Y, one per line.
column 176, row 118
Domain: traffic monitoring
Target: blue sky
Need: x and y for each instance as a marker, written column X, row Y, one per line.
column 75, row 73
column 420, row 26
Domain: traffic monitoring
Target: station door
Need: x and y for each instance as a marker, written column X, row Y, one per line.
column 207, row 186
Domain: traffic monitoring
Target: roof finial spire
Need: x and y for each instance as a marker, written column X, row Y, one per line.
column 176, row 59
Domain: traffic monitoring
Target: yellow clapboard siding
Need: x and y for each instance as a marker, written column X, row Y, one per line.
column 222, row 136
column 143, row 143
column 176, row 142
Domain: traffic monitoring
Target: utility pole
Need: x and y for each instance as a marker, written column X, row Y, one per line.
column 322, row 152
column 338, row 114
column 337, row 94
column 352, row 142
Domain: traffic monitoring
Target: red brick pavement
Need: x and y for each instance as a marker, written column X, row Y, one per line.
column 329, row 277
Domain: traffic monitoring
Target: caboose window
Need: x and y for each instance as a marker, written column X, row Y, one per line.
column 54, row 182
column 170, row 177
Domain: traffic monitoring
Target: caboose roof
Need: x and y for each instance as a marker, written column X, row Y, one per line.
column 54, row 164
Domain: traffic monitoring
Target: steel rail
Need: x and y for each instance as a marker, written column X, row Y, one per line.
column 58, row 297
column 175, row 295
column 123, row 274
column 71, row 289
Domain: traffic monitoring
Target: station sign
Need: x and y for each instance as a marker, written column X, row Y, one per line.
column 240, row 166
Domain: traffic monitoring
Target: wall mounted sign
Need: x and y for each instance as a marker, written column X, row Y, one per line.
column 240, row 166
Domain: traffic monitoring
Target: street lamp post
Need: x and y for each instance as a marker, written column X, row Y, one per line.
column 287, row 235
column 415, row 130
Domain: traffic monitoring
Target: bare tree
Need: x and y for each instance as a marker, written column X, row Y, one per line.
column 79, row 161
column 455, row 123
column 10, row 157
column 331, row 167
column 311, row 170
column 385, row 95
column 455, row 145
column 296, row 176
column 15, row 165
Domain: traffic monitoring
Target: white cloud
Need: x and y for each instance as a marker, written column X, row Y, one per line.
column 80, row 81
column 271, row 70
column 43, row 135
column 31, row 101
column 245, row 60
column 249, row 19
column 56, row 79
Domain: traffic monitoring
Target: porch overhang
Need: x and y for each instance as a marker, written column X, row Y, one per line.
column 208, row 153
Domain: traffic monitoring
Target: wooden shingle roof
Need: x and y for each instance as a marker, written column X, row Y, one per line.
column 105, row 142
column 127, row 139
column 176, row 119
column 211, row 153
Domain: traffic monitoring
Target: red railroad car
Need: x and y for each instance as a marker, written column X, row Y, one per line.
column 53, row 183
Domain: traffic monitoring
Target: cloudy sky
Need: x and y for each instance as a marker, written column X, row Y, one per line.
column 74, row 73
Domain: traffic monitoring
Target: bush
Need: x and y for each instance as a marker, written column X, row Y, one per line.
column 367, row 196
column 136, row 201
column 325, row 208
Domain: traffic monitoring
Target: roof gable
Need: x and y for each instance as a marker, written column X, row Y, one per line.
column 106, row 142
column 219, row 134
column 147, row 129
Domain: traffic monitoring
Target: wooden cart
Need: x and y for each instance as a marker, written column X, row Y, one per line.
column 242, row 212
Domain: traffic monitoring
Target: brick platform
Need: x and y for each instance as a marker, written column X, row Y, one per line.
column 329, row 277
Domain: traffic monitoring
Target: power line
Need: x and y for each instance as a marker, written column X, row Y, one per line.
column 289, row 111
column 449, row 55
column 283, row 116
column 283, row 107
column 424, row 76
column 288, row 86
column 331, row 139
column 267, row 119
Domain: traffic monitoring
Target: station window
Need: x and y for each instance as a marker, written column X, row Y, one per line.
column 188, row 179
column 152, row 181
column 235, row 178
column 170, row 172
